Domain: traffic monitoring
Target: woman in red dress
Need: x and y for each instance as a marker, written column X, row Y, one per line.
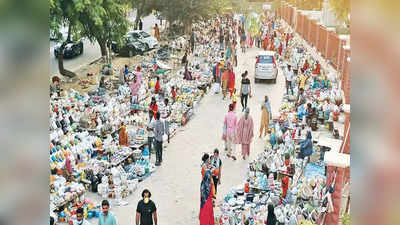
column 153, row 106
column 207, row 193
column 231, row 84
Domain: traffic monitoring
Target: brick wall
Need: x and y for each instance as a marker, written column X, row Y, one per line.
column 333, row 48
column 322, row 40
column 313, row 33
column 299, row 23
column 346, row 76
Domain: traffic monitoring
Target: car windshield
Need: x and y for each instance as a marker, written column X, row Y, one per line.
column 135, row 35
column 128, row 39
column 144, row 34
column 265, row 59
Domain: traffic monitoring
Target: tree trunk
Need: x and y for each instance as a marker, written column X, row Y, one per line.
column 61, row 68
column 103, row 47
column 188, row 27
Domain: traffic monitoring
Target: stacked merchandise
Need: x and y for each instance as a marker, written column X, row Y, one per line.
column 295, row 186
column 85, row 154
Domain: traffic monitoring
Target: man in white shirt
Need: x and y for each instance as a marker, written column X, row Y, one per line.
column 289, row 78
column 165, row 115
column 150, row 130
column 79, row 218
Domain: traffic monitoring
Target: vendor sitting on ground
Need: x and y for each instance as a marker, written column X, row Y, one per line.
column 184, row 59
column 187, row 75
column 306, row 147
column 55, row 85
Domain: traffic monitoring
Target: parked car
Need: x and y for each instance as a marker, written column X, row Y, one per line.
column 72, row 49
column 265, row 67
column 144, row 37
column 129, row 47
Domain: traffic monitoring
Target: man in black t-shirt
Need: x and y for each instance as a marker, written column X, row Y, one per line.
column 146, row 210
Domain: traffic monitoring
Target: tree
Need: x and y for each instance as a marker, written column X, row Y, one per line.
column 61, row 15
column 188, row 12
column 144, row 8
column 342, row 10
column 97, row 20
column 103, row 20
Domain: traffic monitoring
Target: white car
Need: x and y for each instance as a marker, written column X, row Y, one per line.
column 145, row 38
column 265, row 68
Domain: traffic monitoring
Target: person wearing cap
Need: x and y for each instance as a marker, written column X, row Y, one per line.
column 146, row 210
column 245, row 132
column 230, row 124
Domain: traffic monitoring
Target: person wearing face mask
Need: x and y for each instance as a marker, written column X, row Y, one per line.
column 106, row 217
column 146, row 210
column 79, row 218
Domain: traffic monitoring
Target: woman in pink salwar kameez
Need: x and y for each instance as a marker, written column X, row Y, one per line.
column 244, row 133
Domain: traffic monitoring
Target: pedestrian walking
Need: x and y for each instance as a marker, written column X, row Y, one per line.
column 230, row 125
column 135, row 87
column 245, row 133
column 243, row 41
column 106, row 217
column 225, row 80
column 150, row 132
column 156, row 32
column 207, row 194
column 217, row 164
column 289, row 77
column 165, row 116
column 266, row 116
column 231, row 82
column 140, row 24
column 221, row 41
column 245, row 90
column 158, row 136
column 153, row 106
column 146, row 210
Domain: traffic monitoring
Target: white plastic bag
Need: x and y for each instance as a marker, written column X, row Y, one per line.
column 216, row 88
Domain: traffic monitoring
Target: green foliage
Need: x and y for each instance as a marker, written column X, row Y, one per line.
column 307, row 4
column 341, row 9
column 346, row 219
column 97, row 20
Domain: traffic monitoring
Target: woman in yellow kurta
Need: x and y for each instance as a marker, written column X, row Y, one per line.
column 225, row 79
column 265, row 116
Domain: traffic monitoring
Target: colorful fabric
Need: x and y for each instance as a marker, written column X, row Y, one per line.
column 207, row 192
column 244, row 132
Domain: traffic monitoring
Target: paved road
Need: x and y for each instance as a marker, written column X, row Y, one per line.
column 175, row 186
column 91, row 51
